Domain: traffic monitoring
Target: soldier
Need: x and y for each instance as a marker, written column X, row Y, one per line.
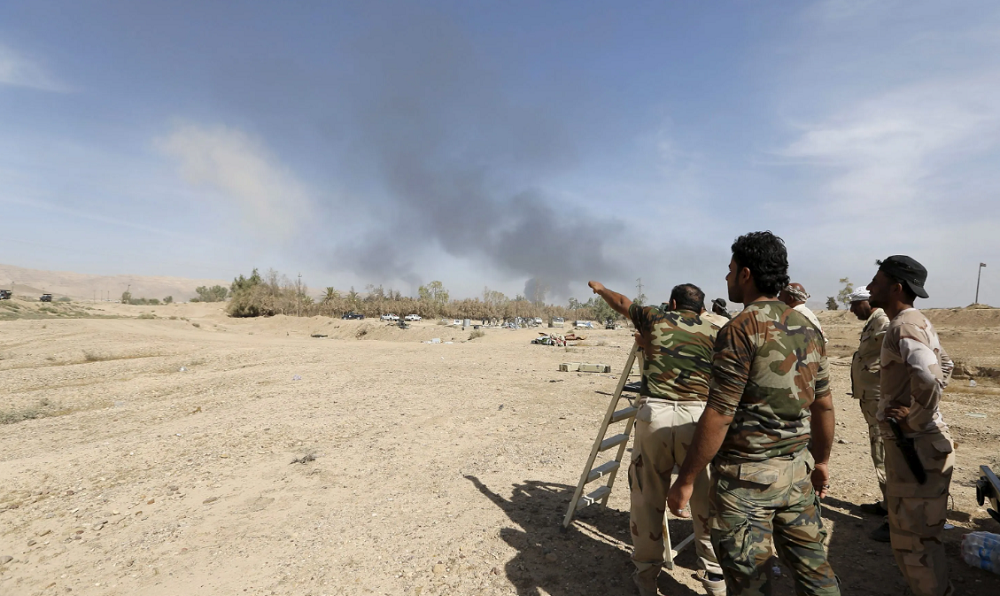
column 677, row 346
column 865, row 369
column 795, row 296
column 918, row 447
column 719, row 316
column 719, row 308
column 769, row 427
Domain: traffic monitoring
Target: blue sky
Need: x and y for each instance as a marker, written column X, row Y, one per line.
column 489, row 143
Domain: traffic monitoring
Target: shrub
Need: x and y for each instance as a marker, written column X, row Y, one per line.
column 214, row 294
column 476, row 333
column 64, row 299
column 168, row 300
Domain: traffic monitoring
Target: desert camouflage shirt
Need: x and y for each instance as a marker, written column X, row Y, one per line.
column 915, row 371
column 865, row 365
column 770, row 365
column 681, row 360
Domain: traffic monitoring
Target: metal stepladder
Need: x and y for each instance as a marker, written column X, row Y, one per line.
column 610, row 468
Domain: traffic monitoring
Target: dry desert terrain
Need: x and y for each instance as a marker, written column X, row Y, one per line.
column 154, row 456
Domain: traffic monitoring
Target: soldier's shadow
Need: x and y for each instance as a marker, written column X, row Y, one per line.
column 591, row 557
column 855, row 557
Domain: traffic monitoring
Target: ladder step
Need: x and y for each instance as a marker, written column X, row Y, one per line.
column 623, row 413
column 602, row 470
column 593, row 497
column 613, row 441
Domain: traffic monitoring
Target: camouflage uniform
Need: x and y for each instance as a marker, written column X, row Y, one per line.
column 865, row 369
column 675, row 380
column 769, row 366
column 915, row 370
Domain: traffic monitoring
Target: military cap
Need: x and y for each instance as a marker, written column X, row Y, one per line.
column 906, row 270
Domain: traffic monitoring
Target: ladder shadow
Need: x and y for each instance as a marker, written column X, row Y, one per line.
column 591, row 557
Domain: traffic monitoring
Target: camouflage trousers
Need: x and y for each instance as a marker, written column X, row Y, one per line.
column 868, row 409
column 757, row 503
column 917, row 512
column 663, row 433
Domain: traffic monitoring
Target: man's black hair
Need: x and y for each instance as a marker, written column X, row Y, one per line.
column 765, row 256
column 688, row 297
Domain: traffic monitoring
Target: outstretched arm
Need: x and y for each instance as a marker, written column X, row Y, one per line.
column 618, row 302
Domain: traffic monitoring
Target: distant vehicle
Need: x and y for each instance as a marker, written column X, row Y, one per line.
column 390, row 317
column 610, row 324
column 46, row 298
column 583, row 324
column 412, row 317
column 352, row 315
column 557, row 322
column 6, row 294
column 457, row 322
column 537, row 322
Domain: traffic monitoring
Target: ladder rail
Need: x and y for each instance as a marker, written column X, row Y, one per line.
column 628, row 425
column 596, row 449
column 611, row 468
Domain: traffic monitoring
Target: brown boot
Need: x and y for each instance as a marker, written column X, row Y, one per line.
column 646, row 581
column 713, row 587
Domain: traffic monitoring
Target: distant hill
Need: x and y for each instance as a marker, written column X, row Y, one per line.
column 82, row 286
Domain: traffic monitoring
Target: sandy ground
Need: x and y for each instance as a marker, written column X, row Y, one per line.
column 164, row 464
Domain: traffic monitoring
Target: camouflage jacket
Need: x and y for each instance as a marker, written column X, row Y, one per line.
column 865, row 365
column 681, row 360
column 769, row 366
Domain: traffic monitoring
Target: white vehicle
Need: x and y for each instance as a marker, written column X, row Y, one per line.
column 557, row 322
column 389, row 317
column 412, row 317
column 537, row 322
column 583, row 324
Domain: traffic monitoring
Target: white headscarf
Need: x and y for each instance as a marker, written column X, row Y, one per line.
column 859, row 295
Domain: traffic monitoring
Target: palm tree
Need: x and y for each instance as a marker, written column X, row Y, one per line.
column 331, row 295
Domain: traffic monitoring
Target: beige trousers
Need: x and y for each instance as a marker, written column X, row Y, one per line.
column 663, row 433
column 868, row 409
column 917, row 512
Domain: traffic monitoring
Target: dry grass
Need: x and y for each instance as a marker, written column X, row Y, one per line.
column 96, row 357
column 476, row 333
column 44, row 408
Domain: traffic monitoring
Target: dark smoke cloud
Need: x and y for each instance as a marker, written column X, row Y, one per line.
column 461, row 161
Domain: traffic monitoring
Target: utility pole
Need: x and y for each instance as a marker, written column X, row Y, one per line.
column 978, row 277
column 298, row 297
column 640, row 298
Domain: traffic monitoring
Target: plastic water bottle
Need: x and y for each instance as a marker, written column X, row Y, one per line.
column 982, row 550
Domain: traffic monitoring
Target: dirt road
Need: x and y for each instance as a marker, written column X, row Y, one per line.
column 159, row 460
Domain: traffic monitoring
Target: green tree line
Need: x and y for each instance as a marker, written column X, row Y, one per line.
column 272, row 294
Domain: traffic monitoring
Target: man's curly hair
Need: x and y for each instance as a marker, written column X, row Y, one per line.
column 765, row 256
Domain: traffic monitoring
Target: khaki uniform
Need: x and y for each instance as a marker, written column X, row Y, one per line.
column 675, row 383
column 770, row 365
column 865, row 368
column 915, row 370
column 809, row 314
column 717, row 320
